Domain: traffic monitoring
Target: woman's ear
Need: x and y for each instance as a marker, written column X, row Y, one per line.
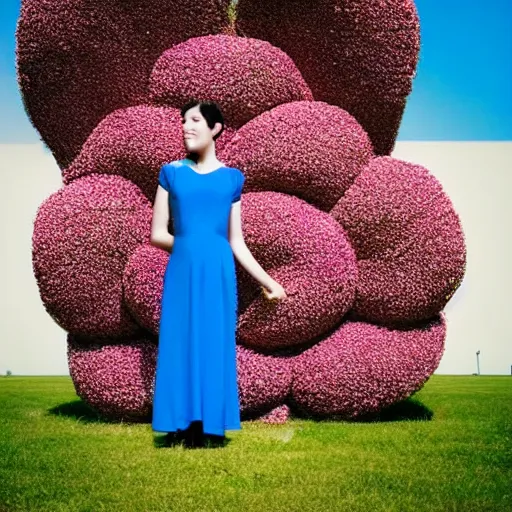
column 217, row 128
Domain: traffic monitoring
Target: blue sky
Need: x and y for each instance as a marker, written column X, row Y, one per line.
column 462, row 91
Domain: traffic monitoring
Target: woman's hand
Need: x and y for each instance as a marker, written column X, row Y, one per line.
column 277, row 292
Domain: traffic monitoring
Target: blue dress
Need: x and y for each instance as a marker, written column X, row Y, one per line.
column 196, row 374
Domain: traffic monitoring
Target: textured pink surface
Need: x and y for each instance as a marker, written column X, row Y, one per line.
column 361, row 368
column 263, row 380
column 143, row 285
column 358, row 54
column 361, row 244
column 305, row 250
column 134, row 143
column 358, row 369
column 408, row 240
column 83, row 236
column 312, row 150
column 63, row 48
column 251, row 76
column 116, row 380
column 279, row 414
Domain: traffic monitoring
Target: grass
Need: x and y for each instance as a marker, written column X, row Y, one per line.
column 447, row 448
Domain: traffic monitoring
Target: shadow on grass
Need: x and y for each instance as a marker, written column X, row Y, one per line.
column 409, row 409
column 406, row 410
column 80, row 411
column 193, row 437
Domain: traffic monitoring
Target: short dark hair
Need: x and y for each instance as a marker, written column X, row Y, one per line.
column 209, row 110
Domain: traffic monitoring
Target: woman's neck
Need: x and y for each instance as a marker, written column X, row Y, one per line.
column 206, row 159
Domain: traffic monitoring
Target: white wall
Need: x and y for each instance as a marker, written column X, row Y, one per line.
column 31, row 342
column 476, row 176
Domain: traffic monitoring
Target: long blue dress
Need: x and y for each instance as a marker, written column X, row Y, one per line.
column 196, row 374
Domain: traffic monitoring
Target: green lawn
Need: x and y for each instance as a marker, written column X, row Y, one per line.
column 447, row 448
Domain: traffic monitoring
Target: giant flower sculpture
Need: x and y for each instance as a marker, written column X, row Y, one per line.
column 368, row 247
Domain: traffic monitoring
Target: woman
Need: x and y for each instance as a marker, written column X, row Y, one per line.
column 196, row 379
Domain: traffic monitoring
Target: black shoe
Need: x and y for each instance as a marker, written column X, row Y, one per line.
column 194, row 436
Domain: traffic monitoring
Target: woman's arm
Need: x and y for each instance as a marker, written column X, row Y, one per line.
column 242, row 252
column 160, row 236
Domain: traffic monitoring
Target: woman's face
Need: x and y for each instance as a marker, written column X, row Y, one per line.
column 197, row 135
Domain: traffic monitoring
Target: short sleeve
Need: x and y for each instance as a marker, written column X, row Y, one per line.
column 239, row 184
column 163, row 177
